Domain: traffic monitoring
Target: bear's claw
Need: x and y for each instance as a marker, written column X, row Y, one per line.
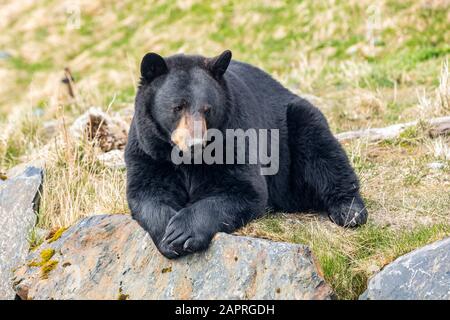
column 350, row 214
column 182, row 237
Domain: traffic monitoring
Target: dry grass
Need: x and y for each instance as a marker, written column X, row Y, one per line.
column 439, row 104
column 77, row 185
column 368, row 65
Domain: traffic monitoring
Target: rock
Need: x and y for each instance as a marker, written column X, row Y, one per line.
column 436, row 165
column 111, row 257
column 4, row 55
column 419, row 275
column 18, row 198
column 109, row 132
column 38, row 112
column 113, row 159
column 51, row 128
column 38, row 162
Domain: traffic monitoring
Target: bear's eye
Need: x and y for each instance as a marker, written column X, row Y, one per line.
column 178, row 108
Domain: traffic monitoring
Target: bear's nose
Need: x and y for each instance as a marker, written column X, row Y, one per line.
column 190, row 131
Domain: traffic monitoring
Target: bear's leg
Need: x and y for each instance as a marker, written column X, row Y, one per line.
column 193, row 227
column 154, row 197
column 154, row 217
column 322, row 176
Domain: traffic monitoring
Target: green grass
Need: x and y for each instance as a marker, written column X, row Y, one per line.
column 372, row 247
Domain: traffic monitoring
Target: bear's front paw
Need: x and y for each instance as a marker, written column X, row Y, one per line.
column 349, row 214
column 185, row 234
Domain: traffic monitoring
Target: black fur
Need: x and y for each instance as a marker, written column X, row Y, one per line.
column 183, row 206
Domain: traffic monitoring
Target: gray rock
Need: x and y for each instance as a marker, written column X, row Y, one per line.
column 4, row 55
column 111, row 257
column 419, row 275
column 18, row 197
column 436, row 165
column 113, row 159
column 51, row 128
column 19, row 169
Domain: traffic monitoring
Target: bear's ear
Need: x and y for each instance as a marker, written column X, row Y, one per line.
column 152, row 66
column 218, row 65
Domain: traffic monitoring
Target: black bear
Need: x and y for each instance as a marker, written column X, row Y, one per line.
column 182, row 205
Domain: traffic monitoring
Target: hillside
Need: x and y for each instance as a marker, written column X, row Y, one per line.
column 363, row 65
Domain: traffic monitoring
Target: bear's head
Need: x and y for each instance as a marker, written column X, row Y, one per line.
column 178, row 99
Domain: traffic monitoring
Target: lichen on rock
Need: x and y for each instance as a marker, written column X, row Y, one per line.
column 44, row 263
column 56, row 235
column 111, row 257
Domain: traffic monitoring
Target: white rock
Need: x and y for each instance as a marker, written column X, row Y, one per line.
column 112, row 159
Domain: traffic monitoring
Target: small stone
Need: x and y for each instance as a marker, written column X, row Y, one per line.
column 111, row 256
column 436, row 165
column 4, row 55
column 113, row 159
column 51, row 128
column 38, row 112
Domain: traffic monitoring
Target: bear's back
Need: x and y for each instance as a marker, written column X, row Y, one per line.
column 266, row 90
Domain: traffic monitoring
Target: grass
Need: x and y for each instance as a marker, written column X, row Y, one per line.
column 85, row 186
column 407, row 210
column 367, row 65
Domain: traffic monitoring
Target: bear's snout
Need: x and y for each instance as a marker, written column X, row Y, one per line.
column 190, row 131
